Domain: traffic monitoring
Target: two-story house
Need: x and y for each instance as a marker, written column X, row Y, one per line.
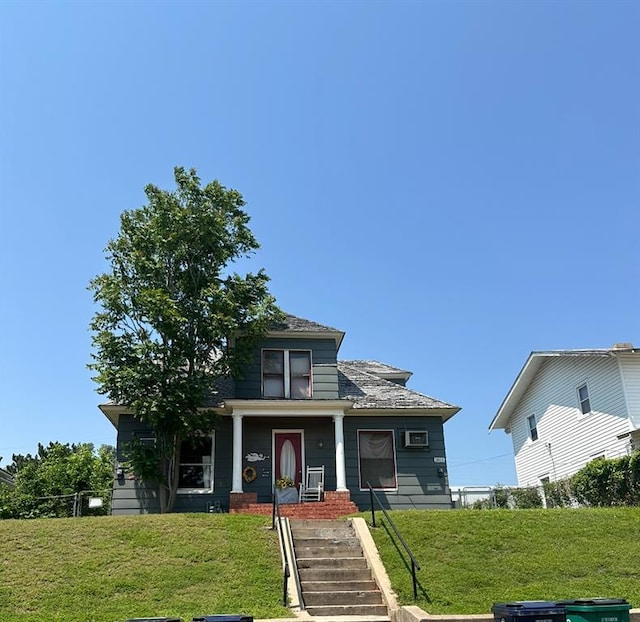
column 568, row 407
column 297, row 406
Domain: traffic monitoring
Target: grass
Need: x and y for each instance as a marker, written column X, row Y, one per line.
column 472, row 559
column 109, row 569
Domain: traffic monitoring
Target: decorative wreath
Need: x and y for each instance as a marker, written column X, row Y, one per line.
column 249, row 474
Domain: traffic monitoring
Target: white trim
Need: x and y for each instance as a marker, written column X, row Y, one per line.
column 341, row 470
column 395, row 461
column 285, row 408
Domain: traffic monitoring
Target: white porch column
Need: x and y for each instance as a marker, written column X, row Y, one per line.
column 236, row 480
column 341, row 472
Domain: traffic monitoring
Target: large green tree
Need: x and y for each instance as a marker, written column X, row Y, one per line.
column 174, row 318
column 46, row 483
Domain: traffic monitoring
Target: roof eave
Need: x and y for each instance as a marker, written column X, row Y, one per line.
column 337, row 335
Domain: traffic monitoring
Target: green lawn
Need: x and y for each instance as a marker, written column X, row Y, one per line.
column 108, row 569
column 472, row 559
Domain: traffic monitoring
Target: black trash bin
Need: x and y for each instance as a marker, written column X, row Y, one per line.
column 529, row 611
column 224, row 618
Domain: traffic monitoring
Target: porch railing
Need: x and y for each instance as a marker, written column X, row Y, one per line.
column 414, row 563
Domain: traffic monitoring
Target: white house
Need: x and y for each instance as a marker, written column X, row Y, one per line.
column 568, row 407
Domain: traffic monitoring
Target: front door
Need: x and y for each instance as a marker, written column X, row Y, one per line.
column 288, row 455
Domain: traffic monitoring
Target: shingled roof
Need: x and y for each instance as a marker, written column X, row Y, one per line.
column 370, row 392
column 292, row 324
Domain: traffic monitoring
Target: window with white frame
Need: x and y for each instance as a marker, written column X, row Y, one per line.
column 533, row 427
column 583, row 399
column 196, row 465
column 286, row 374
column 377, row 459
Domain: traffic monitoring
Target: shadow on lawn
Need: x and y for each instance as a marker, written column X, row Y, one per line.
column 422, row 592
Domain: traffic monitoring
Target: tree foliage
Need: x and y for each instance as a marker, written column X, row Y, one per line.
column 171, row 312
column 45, row 483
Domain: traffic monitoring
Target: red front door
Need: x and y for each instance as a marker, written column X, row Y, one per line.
column 288, row 455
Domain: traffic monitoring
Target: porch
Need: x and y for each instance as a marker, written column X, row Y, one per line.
column 335, row 504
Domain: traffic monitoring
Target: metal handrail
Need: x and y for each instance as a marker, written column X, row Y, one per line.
column 275, row 512
column 414, row 562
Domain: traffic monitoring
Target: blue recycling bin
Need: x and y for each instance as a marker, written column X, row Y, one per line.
column 529, row 611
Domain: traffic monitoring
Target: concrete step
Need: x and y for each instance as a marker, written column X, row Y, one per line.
column 327, row 551
column 334, row 574
column 330, row 562
column 311, row 542
column 339, row 586
column 347, row 610
column 312, row 524
column 312, row 599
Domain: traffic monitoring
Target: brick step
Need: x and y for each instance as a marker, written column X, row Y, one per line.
column 348, row 610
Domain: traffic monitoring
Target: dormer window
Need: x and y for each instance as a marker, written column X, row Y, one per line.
column 286, row 374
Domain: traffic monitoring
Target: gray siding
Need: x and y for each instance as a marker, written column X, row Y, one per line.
column 323, row 360
column 420, row 485
column 131, row 496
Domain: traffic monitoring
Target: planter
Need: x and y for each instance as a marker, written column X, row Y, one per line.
column 287, row 495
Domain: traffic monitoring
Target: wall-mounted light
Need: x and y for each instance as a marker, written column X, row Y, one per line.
column 320, row 444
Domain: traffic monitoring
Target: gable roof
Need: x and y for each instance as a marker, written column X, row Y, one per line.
column 530, row 369
column 369, row 392
column 293, row 326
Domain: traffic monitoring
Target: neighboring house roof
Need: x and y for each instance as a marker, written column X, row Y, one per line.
column 502, row 419
column 370, row 392
column 294, row 325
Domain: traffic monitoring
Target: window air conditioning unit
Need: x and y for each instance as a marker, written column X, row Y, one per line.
column 416, row 438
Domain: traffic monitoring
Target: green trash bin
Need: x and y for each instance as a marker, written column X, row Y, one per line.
column 597, row 610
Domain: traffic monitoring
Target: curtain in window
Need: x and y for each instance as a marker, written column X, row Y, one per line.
column 377, row 461
column 300, row 372
column 288, row 460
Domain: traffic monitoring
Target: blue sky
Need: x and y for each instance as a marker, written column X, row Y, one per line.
column 454, row 184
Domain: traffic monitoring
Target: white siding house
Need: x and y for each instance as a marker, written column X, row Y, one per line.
column 568, row 407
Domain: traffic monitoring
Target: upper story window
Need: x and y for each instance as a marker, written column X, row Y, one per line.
column 533, row 427
column 583, row 398
column 286, row 374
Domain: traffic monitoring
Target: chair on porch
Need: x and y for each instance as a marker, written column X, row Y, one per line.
column 313, row 488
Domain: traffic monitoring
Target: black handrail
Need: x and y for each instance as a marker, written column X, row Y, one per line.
column 414, row 563
column 275, row 511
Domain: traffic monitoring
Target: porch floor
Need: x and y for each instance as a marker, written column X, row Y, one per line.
column 334, row 505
